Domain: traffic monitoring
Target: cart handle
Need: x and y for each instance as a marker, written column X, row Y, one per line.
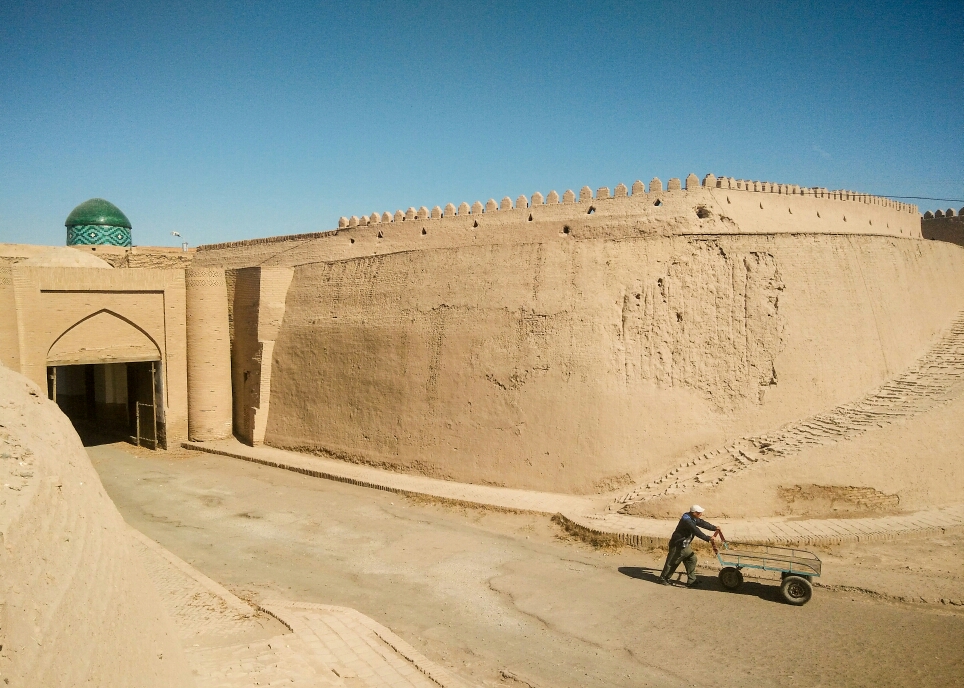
column 722, row 539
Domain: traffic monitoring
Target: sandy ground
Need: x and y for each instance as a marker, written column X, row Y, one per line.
column 507, row 599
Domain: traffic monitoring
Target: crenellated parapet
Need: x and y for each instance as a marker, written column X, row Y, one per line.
column 691, row 183
column 691, row 206
column 937, row 214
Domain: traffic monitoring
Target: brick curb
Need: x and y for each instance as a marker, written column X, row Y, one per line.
column 592, row 520
column 909, row 527
column 508, row 499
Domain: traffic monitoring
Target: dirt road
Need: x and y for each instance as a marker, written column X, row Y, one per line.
column 505, row 599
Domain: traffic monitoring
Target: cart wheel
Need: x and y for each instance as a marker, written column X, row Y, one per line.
column 731, row 578
column 796, row 590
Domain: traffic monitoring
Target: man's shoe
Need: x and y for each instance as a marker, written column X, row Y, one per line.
column 663, row 581
column 693, row 583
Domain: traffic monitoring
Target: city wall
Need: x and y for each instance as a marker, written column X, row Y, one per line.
column 944, row 226
column 208, row 344
column 569, row 366
column 580, row 344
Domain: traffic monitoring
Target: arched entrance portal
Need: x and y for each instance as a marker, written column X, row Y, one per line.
column 105, row 374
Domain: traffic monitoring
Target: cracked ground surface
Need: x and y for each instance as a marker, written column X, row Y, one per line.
column 505, row 599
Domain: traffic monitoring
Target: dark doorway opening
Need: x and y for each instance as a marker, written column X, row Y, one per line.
column 111, row 402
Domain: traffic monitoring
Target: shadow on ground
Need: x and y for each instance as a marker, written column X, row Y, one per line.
column 92, row 435
column 765, row 591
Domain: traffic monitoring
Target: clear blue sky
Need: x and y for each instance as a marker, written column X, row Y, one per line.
column 231, row 120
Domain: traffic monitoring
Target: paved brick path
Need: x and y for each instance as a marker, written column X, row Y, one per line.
column 355, row 647
column 231, row 644
column 592, row 513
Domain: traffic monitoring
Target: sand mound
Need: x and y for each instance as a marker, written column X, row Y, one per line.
column 76, row 607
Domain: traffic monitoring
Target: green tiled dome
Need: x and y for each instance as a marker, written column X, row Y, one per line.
column 97, row 211
column 98, row 222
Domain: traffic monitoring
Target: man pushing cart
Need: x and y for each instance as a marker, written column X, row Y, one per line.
column 797, row 567
column 679, row 545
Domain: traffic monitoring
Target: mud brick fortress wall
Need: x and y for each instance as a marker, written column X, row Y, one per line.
column 209, row 363
column 945, row 225
column 569, row 343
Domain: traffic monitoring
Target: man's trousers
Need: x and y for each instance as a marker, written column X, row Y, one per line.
column 677, row 554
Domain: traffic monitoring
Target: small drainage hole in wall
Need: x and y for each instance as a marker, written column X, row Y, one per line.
column 475, row 224
column 658, row 202
column 703, row 212
column 530, row 217
column 565, row 229
column 424, row 232
column 352, row 240
column 380, row 235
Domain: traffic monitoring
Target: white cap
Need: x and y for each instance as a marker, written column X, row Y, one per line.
column 696, row 509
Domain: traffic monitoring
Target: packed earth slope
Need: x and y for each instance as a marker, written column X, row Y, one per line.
column 897, row 448
column 76, row 607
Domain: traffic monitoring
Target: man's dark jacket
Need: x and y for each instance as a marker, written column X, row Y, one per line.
column 688, row 527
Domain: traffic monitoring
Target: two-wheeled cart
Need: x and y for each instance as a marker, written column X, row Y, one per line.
column 796, row 567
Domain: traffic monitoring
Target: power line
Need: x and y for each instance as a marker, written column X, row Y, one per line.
column 927, row 198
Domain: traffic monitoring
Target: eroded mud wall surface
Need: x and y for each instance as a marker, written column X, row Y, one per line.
column 576, row 364
column 258, row 297
column 76, row 608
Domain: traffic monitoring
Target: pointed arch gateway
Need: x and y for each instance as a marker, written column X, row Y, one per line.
column 103, row 337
